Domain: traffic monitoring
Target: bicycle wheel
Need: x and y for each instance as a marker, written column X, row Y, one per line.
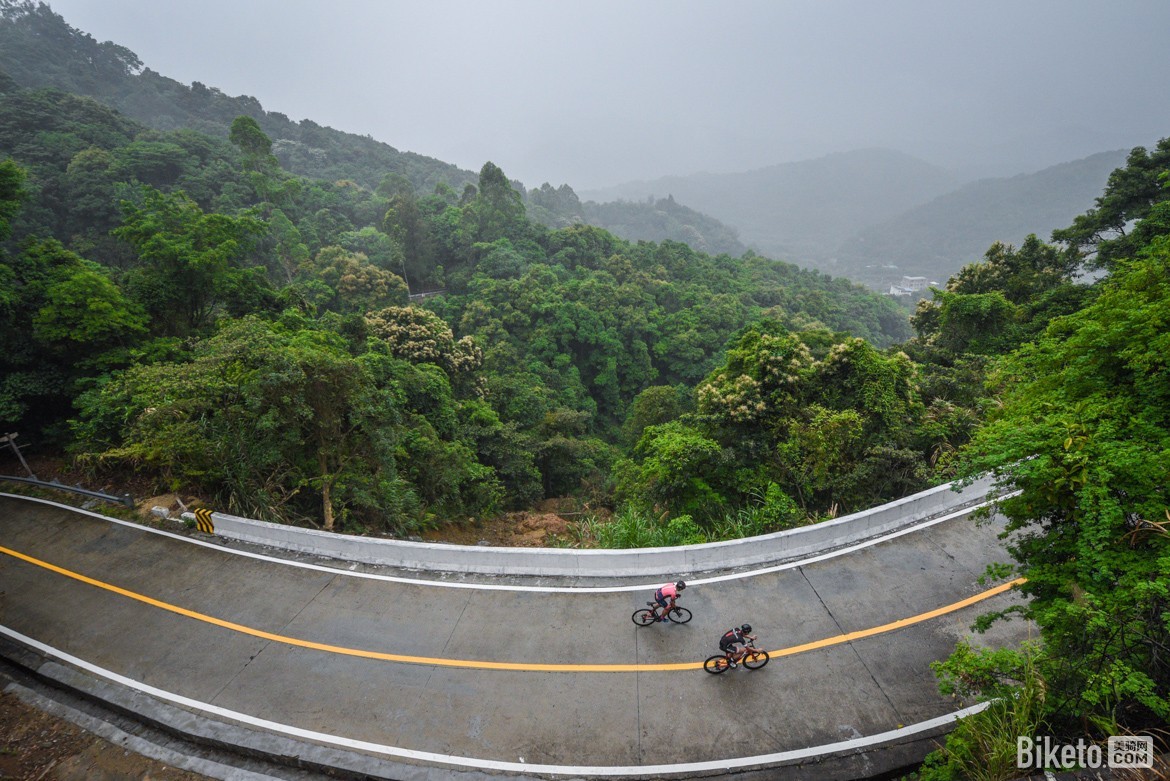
column 716, row 664
column 643, row 617
column 755, row 659
column 680, row 615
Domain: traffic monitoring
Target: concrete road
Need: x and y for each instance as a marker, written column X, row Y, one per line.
column 507, row 676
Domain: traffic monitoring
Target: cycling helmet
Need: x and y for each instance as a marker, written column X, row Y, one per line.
column 680, row 585
column 746, row 628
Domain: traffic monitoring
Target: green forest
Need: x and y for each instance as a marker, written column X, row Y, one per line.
column 180, row 305
column 256, row 341
column 372, row 342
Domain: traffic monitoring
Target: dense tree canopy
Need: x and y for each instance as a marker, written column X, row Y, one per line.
column 190, row 263
column 810, row 420
column 138, row 256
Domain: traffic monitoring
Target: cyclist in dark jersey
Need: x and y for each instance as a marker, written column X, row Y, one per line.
column 731, row 640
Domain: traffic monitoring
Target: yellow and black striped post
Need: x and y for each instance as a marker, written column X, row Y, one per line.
column 203, row 521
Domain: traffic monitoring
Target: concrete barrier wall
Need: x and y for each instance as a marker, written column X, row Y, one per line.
column 690, row 559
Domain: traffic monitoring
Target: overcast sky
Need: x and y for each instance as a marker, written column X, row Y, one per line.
column 594, row 93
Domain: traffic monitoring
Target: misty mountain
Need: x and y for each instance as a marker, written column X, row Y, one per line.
column 661, row 219
column 938, row 238
column 1032, row 152
column 38, row 48
column 852, row 214
column 802, row 211
column 658, row 219
column 875, row 215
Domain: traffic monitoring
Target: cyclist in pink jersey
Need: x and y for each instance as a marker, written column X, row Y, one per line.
column 666, row 596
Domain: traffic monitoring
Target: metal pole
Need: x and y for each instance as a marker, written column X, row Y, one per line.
column 11, row 440
column 125, row 499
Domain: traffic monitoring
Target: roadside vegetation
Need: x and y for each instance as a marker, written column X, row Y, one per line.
column 1078, row 419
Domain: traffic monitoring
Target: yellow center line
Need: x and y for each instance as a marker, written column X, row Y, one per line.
column 518, row 666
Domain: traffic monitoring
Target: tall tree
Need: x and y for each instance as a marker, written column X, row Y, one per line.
column 360, row 287
column 1104, row 232
column 62, row 321
column 252, row 142
column 12, row 194
column 190, row 260
column 404, row 223
column 498, row 209
column 262, row 416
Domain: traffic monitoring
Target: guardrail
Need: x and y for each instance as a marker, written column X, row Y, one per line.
column 125, row 499
column 768, row 548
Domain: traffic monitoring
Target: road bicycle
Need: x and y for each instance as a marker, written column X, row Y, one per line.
column 645, row 616
column 754, row 659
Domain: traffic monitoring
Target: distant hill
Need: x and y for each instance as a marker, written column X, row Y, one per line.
column 938, row 238
column 848, row 214
column 801, row 212
column 874, row 216
column 662, row 219
column 647, row 220
column 39, row 49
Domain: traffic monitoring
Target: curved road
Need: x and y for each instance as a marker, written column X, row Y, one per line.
column 526, row 677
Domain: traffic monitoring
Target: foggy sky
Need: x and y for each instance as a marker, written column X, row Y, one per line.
column 595, row 93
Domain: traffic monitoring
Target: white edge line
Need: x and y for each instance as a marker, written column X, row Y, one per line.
column 491, row 764
column 544, row 589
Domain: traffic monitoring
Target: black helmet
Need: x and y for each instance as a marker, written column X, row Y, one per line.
column 680, row 585
column 746, row 628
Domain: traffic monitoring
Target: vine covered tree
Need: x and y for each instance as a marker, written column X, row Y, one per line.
column 1083, row 431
